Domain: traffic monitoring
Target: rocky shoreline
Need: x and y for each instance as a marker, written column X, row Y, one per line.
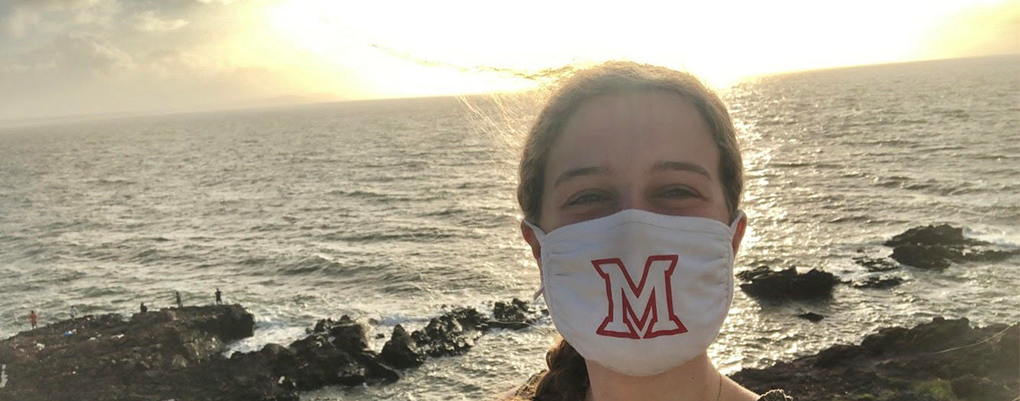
column 940, row 360
column 931, row 247
column 179, row 353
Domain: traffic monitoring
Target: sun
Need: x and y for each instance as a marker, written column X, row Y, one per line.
column 403, row 48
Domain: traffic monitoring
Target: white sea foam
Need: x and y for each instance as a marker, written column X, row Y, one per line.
column 265, row 333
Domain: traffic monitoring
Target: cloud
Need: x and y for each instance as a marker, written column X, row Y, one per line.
column 149, row 22
column 27, row 15
column 176, row 63
column 86, row 53
column 20, row 20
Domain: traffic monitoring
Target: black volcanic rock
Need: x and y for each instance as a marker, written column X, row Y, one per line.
column 762, row 282
column 346, row 333
column 336, row 352
column 876, row 265
column 940, row 360
column 515, row 314
column 178, row 354
column 814, row 317
column 935, row 247
column 401, row 351
column 879, row 282
column 922, row 256
column 170, row 353
column 319, row 363
column 942, row 355
column 943, row 234
column 452, row 333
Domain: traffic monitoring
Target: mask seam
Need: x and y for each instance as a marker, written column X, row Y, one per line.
column 643, row 219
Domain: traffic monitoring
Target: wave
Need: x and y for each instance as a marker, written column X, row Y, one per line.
column 861, row 218
column 381, row 197
column 416, row 236
column 110, row 182
column 310, row 265
column 446, row 212
column 254, row 261
column 357, row 193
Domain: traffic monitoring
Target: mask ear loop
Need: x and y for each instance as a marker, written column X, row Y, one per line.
column 539, row 235
column 736, row 221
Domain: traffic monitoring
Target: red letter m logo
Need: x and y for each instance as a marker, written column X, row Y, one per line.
column 652, row 296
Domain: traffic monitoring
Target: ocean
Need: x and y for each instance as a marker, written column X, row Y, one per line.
column 394, row 211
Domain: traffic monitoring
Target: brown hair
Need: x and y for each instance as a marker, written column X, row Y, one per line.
column 567, row 379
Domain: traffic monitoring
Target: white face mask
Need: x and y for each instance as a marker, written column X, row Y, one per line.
column 638, row 292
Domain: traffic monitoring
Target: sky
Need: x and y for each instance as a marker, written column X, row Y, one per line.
column 81, row 57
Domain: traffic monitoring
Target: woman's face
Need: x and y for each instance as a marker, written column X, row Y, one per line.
column 642, row 150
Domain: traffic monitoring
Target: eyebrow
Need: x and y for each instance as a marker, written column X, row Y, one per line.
column 681, row 166
column 660, row 166
column 578, row 172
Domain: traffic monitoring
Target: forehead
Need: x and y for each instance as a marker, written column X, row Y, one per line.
column 633, row 130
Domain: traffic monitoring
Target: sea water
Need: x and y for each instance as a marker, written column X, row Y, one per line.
column 395, row 211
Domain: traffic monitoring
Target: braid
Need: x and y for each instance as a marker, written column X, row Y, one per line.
column 567, row 379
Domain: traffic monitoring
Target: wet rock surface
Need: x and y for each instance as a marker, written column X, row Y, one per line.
column 401, row 351
column 879, row 282
column 765, row 283
column 178, row 354
column 171, row 353
column 876, row 264
column 515, row 314
column 811, row 316
column 334, row 353
column 938, row 246
column 936, row 360
column 453, row 333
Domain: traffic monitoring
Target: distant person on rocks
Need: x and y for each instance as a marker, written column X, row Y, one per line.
column 180, row 305
column 144, row 308
column 74, row 311
column 219, row 296
column 34, row 319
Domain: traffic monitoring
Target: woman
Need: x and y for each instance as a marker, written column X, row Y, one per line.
column 630, row 184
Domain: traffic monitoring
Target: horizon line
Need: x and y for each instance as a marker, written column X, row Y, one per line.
column 22, row 122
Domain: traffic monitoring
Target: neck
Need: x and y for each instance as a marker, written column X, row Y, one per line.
column 695, row 380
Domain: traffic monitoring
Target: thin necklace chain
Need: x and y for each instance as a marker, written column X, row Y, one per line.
column 718, row 393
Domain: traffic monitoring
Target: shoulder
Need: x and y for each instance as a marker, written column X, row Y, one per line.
column 775, row 395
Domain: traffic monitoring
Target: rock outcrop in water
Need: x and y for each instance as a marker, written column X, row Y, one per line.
column 171, row 353
column 453, row 333
column 177, row 354
column 450, row 334
column 941, row 360
column 765, row 283
column 936, row 247
column 875, row 264
column 879, row 282
column 334, row 353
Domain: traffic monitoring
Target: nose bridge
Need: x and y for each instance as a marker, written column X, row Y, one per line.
column 631, row 198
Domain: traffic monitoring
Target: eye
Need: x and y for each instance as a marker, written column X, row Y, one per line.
column 587, row 198
column 678, row 193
